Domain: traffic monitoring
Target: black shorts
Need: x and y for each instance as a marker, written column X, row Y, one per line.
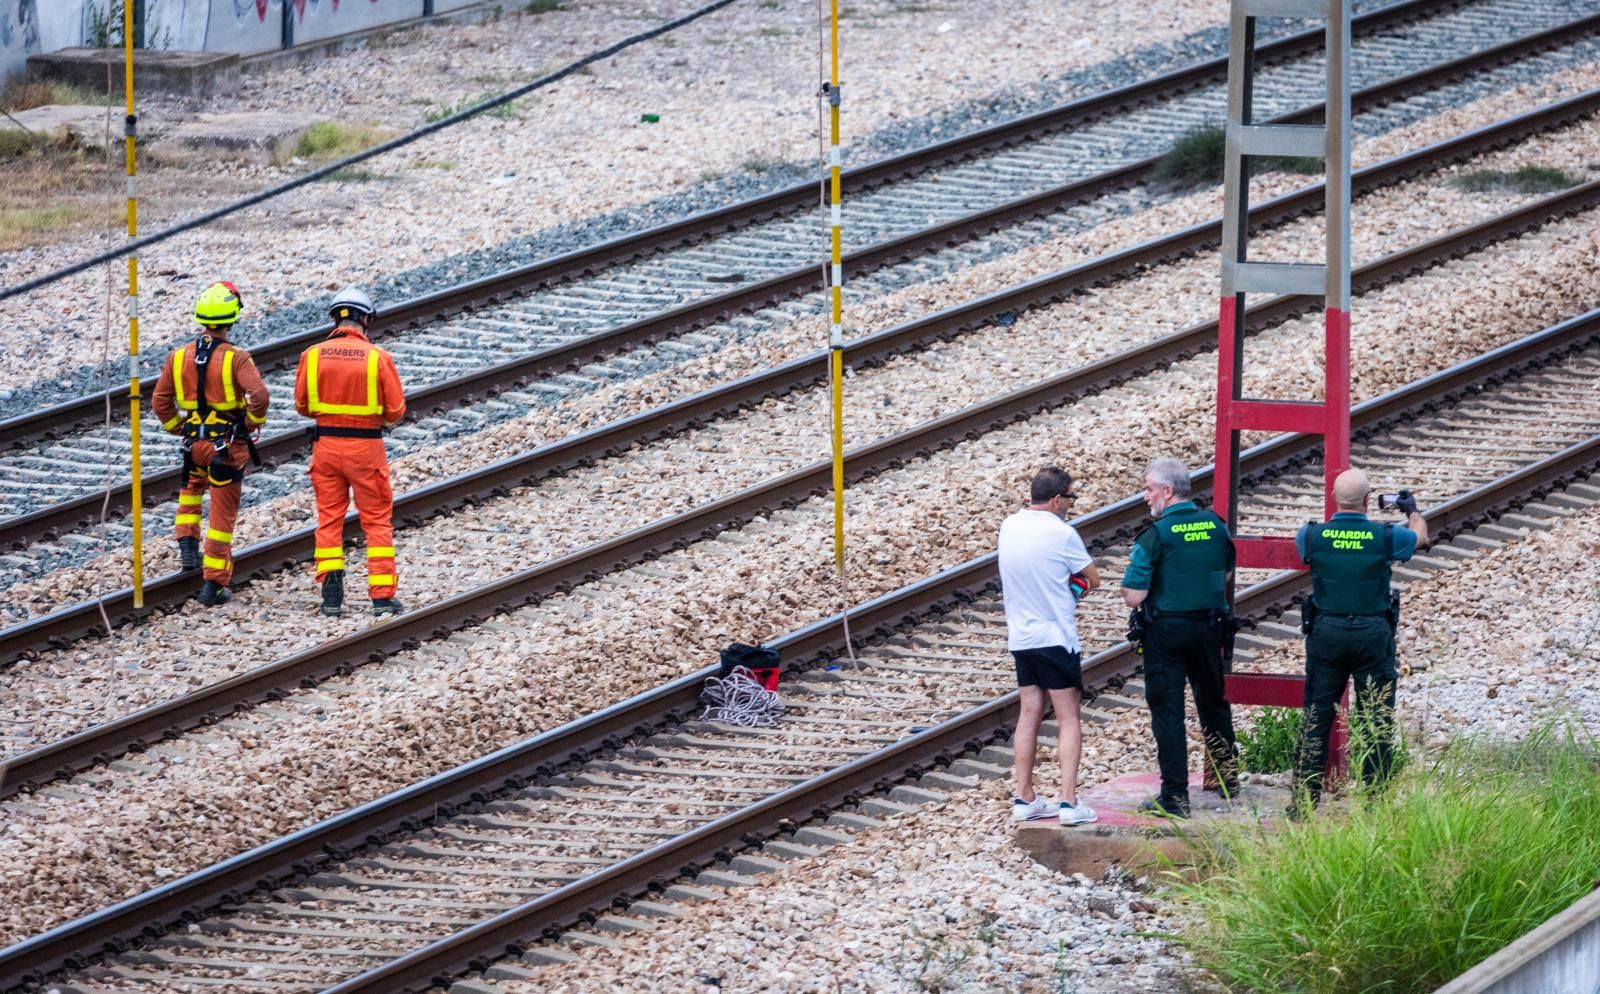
column 1053, row 668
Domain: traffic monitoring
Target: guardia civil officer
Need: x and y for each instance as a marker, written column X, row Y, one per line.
column 1177, row 581
column 1350, row 624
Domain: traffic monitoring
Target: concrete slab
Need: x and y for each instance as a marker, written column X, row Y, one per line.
column 1137, row 842
column 85, row 123
column 190, row 74
column 249, row 134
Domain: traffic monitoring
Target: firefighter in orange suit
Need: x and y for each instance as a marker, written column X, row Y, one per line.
column 212, row 396
column 351, row 387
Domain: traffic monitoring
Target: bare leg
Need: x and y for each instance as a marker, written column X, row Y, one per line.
column 1025, row 743
column 1069, row 746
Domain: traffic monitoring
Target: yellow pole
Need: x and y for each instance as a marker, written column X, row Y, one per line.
column 836, row 336
column 130, row 151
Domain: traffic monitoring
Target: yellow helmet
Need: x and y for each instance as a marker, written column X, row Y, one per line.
column 219, row 304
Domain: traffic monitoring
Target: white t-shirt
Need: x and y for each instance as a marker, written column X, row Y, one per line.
column 1038, row 555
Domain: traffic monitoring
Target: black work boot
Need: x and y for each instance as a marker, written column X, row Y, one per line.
column 189, row 553
column 213, row 594
column 387, row 605
column 333, row 593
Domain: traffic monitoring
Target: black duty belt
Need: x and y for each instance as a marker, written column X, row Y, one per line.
column 319, row 431
column 1156, row 614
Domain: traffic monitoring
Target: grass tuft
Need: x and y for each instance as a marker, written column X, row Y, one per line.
column 1270, row 746
column 1405, row 890
column 335, row 139
column 1524, row 179
column 541, row 6
column 1199, row 157
column 506, row 112
column 1195, row 158
column 26, row 95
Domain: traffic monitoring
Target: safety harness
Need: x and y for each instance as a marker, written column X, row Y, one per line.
column 206, row 424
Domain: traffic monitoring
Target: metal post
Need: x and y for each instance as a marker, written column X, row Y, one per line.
column 138, row 22
column 1241, row 275
column 131, row 157
column 836, row 331
column 288, row 24
column 1330, row 417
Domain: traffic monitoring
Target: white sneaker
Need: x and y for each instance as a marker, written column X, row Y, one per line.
column 1030, row 810
column 1077, row 814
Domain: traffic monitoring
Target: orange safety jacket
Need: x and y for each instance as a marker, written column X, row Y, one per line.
column 347, row 382
column 233, row 384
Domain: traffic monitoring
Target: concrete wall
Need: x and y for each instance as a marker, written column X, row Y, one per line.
column 249, row 27
column 1562, row 956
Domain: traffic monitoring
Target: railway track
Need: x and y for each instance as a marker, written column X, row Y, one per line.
column 551, row 324
column 449, row 875
column 528, row 468
column 132, row 731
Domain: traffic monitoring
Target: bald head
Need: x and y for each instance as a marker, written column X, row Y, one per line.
column 1350, row 488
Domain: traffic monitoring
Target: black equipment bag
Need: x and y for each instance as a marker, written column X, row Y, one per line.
column 759, row 660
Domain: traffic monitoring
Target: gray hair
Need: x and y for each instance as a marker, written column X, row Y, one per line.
column 1172, row 473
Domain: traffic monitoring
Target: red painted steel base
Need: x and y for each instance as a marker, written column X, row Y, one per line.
column 1288, row 690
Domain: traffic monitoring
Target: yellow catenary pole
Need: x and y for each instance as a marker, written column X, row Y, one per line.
column 836, row 336
column 130, row 150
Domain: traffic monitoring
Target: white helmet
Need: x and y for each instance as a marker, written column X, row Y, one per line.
column 352, row 302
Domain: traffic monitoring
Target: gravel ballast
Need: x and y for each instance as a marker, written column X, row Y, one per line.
column 186, row 804
column 949, row 881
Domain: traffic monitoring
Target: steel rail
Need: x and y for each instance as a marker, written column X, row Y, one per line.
column 103, row 742
column 19, row 530
column 476, row 947
column 301, row 853
column 59, row 627
column 89, row 408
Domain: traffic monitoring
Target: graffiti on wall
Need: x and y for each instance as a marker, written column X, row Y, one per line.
column 243, row 8
column 19, row 24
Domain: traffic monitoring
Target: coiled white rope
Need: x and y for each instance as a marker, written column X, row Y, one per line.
column 737, row 699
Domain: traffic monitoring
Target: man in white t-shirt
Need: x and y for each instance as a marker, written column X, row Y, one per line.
column 1044, row 569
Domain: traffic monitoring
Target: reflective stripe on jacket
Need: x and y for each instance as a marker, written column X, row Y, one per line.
column 347, row 382
column 232, row 384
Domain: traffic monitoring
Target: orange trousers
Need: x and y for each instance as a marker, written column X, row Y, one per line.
column 340, row 466
column 218, row 547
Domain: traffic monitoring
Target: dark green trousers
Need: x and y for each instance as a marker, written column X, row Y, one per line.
column 1342, row 648
column 1179, row 649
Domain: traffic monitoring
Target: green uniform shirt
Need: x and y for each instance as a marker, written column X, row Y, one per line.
column 1183, row 559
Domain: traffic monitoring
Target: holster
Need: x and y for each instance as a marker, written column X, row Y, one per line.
column 1228, row 625
column 1137, row 625
column 1308, row 615
column 1394, row 611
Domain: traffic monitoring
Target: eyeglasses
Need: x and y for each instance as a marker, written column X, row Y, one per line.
column 1068, row 497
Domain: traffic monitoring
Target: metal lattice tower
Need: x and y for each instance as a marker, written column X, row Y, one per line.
column 1241, row 275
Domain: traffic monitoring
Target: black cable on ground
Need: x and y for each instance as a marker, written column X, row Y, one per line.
column 373, row 152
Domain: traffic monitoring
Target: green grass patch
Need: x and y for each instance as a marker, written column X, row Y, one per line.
column 1524, row 179
column 335, row 139
column 1271, row 744
column 1199, row 157
column 541, row 6
column 14, row 143
column 22, row 225
column 1402, row 891
column 444, row 165
column 1193, row 159
column 354, row 174
column 507, row 111
column 21, row 96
